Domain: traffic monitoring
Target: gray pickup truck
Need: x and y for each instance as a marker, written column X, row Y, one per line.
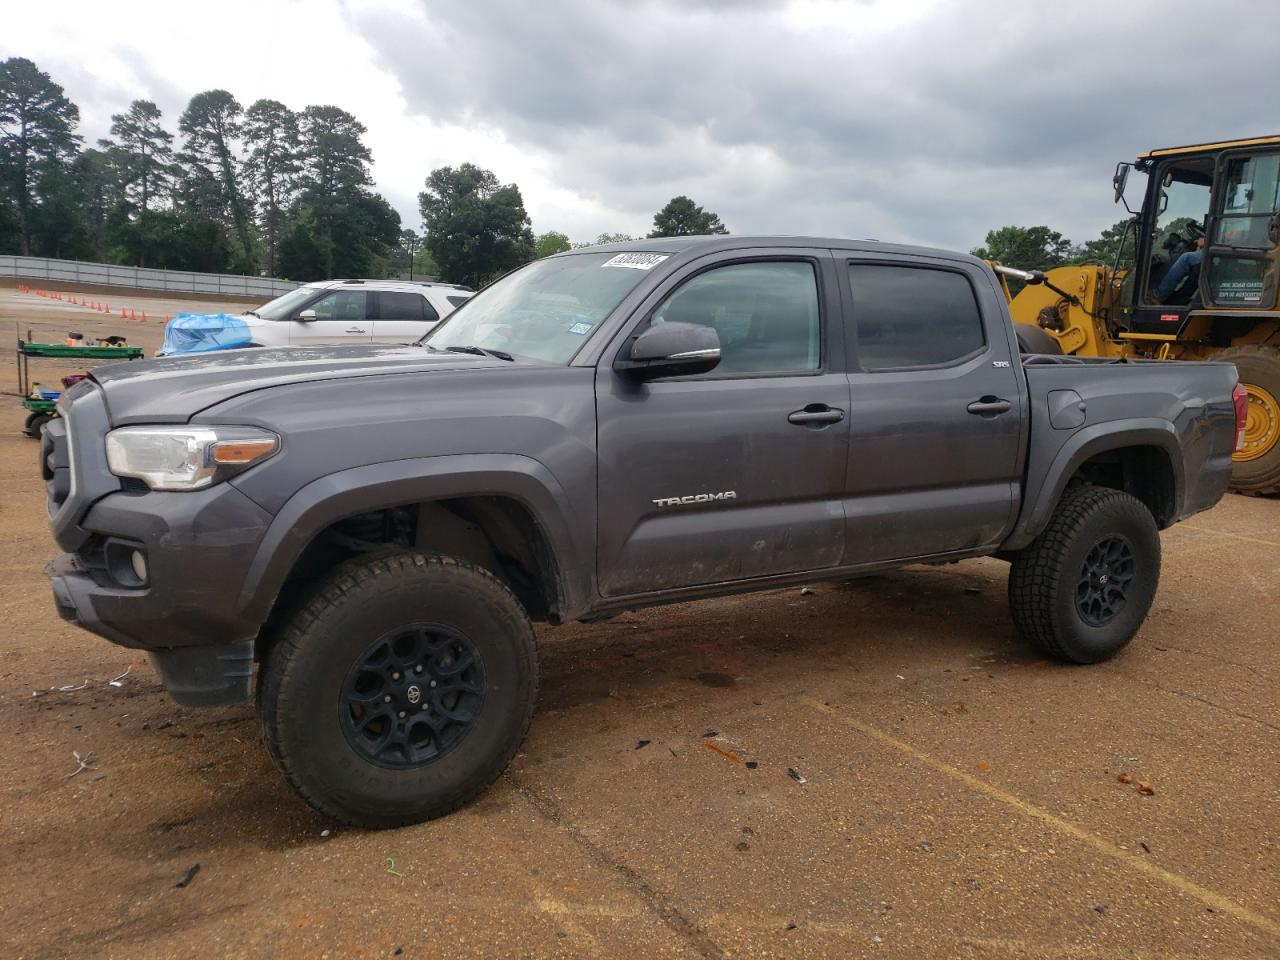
column 602, row 430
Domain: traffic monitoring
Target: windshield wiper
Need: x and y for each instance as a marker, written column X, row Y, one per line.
column 481, row 352
column 253, row 313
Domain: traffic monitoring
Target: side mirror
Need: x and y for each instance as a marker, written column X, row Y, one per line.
column 672, row 350
column 306, row 316
column 1120, row 179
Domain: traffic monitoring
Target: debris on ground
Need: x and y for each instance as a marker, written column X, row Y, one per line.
column 641, row 744
column 391, row 867
column 972, row 589
column 1143, row 845
column 805, row 592
column 187, row 876
column 325, row 833
column 1125, row 778
column 83, row 763
column 84, row 685
column 926, row 846
column 1145, row 788
column 795, row 775
column 791, row 925
column 715, row 748
column 752, row 764
column 742, row 846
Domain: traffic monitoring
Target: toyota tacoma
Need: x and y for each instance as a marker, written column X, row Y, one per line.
column 362, row 536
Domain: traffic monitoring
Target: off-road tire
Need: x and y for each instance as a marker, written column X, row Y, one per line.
column 1045, row 577
column 1258, row 365
column 302, row 680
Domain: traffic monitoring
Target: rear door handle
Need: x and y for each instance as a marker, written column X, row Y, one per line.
column 989, row 406
column 816, row 415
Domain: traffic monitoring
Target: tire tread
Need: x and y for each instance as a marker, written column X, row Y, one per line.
column 359, row 575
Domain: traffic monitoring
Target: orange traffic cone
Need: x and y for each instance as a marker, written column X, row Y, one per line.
column 122, row 313
column 144, row 316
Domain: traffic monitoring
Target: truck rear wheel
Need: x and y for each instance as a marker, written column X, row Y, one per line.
column 1257, row 464
column 1082, row 588
column 401, row 690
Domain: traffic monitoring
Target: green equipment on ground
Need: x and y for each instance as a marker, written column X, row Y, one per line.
column 42, row 404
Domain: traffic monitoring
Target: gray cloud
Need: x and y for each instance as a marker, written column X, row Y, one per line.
column 970, row 117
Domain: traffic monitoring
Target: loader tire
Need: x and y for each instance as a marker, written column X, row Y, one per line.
column 1256, row 467
column 1034, row 340
column 1081, row 589
column 400, row 690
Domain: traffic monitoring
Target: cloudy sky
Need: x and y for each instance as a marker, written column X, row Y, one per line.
column 910, row 120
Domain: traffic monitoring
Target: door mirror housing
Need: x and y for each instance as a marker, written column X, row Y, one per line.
column 306, row 316
column 672, row 349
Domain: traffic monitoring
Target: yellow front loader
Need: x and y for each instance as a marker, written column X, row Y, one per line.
column 1203, row 284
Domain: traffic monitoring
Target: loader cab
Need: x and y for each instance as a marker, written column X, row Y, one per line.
column 1222, row 199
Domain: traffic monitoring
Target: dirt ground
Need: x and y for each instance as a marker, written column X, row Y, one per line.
column 952, row 796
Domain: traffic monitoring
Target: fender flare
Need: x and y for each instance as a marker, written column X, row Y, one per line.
column 348, row 493
column 1083, row 446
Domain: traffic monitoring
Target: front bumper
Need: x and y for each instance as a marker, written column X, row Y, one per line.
column 201, row 675
column 198, row 547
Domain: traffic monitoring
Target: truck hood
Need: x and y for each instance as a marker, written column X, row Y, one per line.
column 174, row 389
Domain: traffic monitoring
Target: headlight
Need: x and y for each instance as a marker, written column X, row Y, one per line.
column 187, row 457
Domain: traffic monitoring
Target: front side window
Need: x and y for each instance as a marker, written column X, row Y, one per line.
column 545, row 310
column 913, row 316
column 342, row 305
column 765, row 313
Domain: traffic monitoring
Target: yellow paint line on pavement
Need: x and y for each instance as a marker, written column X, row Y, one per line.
column 1180, row 883
column 1233, row 536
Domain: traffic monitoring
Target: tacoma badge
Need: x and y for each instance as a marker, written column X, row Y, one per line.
column 695, row 498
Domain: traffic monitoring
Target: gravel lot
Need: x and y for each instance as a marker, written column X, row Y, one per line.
column 953, row 796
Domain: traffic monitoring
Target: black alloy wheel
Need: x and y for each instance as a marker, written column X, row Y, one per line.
column 413, row 696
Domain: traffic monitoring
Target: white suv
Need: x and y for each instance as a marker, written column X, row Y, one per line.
column 354, row 311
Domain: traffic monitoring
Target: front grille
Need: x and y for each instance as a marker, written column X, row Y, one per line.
column 55, row 464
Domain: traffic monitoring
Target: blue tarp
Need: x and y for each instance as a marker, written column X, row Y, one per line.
column 203, row 332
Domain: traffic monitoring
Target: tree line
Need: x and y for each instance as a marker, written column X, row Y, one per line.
column 1042, row 248
column 266, row 189
column 262, row 189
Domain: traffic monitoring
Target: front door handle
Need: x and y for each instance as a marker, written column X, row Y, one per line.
column 356, row 330
column 815, row 415
column 989, row 406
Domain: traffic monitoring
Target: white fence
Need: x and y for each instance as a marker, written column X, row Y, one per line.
column 172, row 281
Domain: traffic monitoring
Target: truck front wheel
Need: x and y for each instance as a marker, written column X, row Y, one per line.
column 401, row 690
column 1082, row 588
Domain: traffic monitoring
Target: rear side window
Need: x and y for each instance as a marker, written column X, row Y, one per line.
column 405, row 306
column 457, row 301
column 913, row 316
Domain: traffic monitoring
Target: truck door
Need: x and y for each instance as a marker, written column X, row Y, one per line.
column 935, row 410
column 736, row 473
column 1244, row 232
column 341, row 316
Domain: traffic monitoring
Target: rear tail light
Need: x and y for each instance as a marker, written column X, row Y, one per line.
column 1240, row 400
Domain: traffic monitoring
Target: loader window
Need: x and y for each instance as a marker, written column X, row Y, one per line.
column 913, row 317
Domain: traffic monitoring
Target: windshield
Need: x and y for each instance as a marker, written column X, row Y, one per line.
column 546, row 309
column 281, row 308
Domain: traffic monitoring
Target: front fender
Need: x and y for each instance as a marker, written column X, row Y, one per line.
column 358, row 490
column 1082, row 446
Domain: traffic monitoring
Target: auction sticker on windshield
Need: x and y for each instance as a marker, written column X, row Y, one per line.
column 636, row 261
